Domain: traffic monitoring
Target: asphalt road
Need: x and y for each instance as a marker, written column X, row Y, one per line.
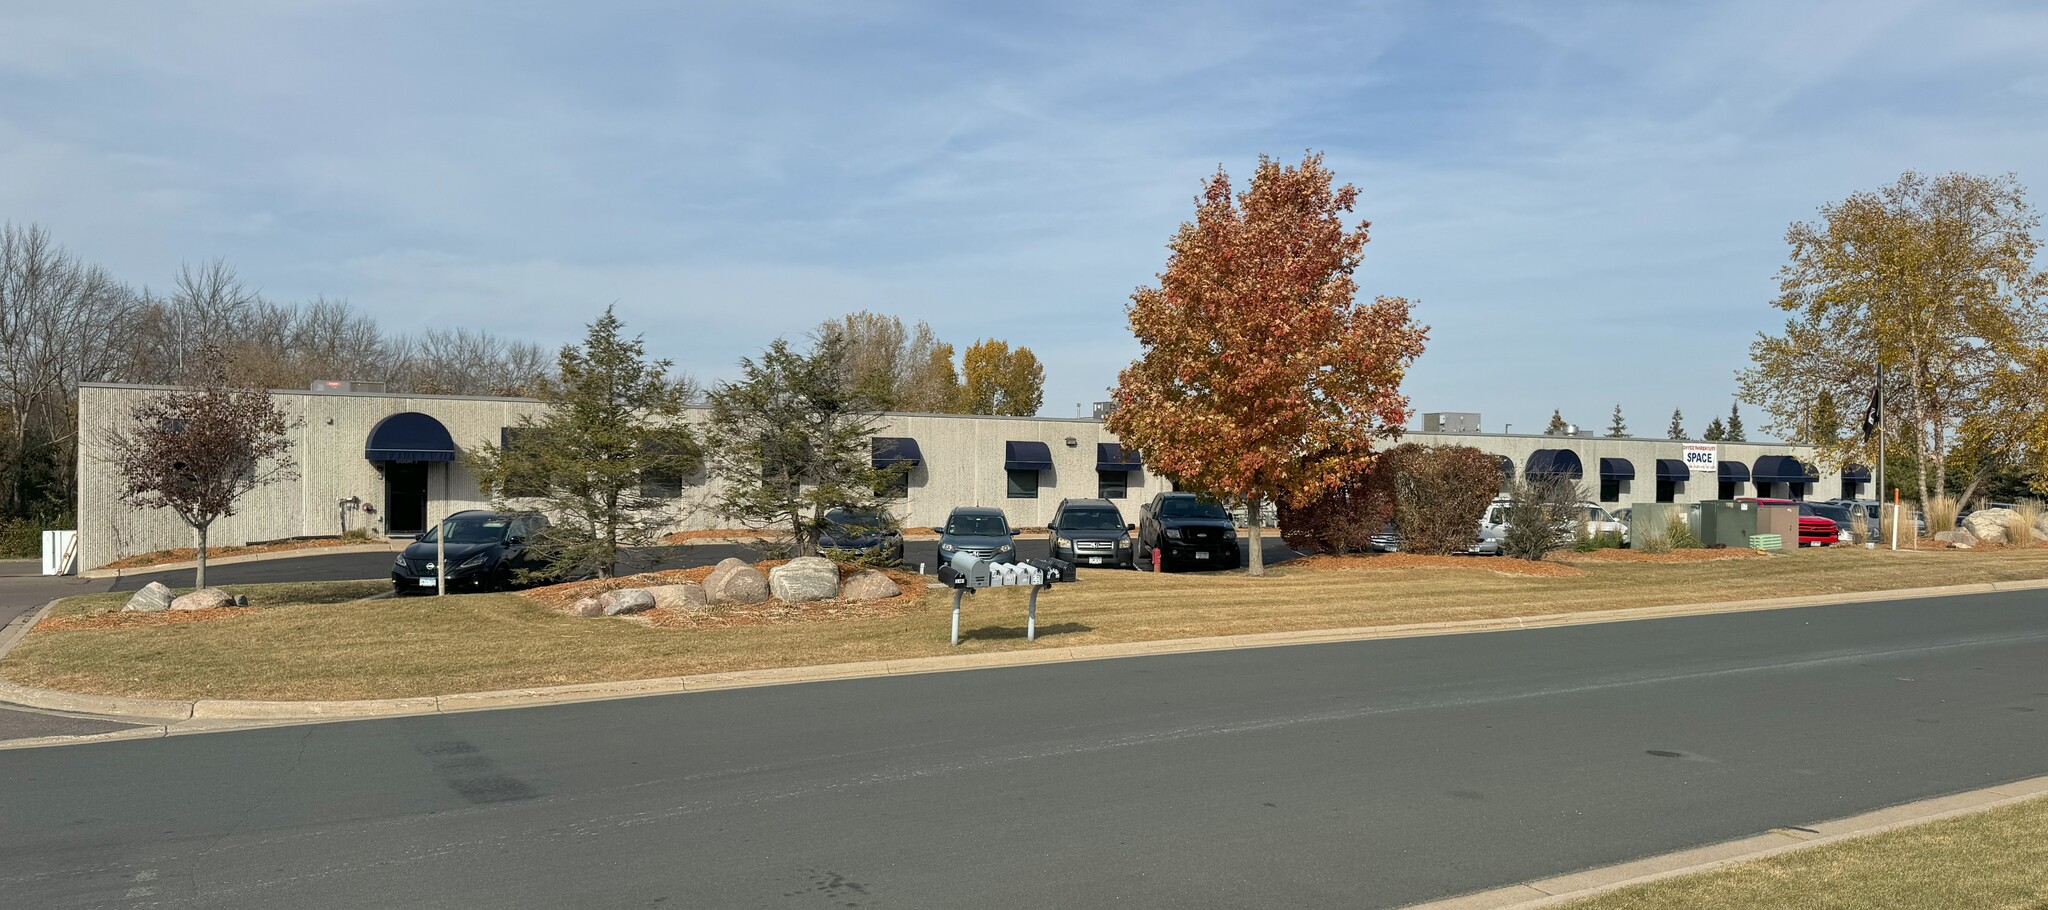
column 1368, row 774
column 357, row 565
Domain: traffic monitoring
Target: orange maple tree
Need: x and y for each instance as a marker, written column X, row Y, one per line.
column 1262, row 378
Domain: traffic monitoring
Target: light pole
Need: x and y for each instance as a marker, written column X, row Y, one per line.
column 1508, row 429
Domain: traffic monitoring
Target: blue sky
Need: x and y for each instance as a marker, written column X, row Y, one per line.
column 1587, row 201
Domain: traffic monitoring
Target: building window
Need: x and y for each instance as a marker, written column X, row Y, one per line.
column 1112, row 484
column 669, row 468
column 1610, row 490
column 523, row 477
column 1023, row 484
column 1796, row 492
column 1667, row 491
column 1852, row 489
column 1731, row 489
column 893, row 484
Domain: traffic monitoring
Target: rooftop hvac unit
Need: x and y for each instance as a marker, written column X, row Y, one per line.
column 1450, row 422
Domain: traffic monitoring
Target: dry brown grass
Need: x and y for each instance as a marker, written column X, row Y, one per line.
column 461, row 643
column 1995, row 860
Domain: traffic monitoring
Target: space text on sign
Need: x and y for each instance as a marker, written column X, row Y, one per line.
column 1702, row 459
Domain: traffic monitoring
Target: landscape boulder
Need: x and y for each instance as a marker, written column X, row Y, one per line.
column 869, row 585
column 204, row 599
column 625, row 600
column 2041, row 528
column 1959, row 538
column 803, row 579
column 734, row 582
column 685, row 596
column 153, row 598
column 1988, row 525
column 588, row 606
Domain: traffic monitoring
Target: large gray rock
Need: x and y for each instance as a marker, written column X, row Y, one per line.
column 735, row 582
column 804, row 579
column 204, row 599
column 153, row 598
column 1959, row 538
column 588, row 606
column 685, row 596
column 1988, row 525
column 625, row 600
column 869, row 585
column 2041, row 528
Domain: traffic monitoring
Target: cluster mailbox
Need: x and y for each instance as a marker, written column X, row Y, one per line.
column 971, row 573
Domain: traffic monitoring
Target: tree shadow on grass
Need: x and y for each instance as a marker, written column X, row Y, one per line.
column 1044, row 629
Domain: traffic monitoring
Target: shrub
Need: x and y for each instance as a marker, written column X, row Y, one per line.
column 1342, row 520
column 1439, row 494
column 1859, row 525
column 1941, row 514
column 1680, row 534
column 2027, row 514
column 1541, row 514
column 1654, row 540
column 20, row 540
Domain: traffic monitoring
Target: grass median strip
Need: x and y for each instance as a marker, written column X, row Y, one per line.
column 323, row 648
column 1992, row 860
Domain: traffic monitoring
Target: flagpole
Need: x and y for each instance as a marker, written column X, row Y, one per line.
column 1880, row 456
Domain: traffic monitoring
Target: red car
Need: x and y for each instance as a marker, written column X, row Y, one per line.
column 1814, row 530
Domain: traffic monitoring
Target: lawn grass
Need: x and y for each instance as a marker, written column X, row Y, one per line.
column 293, row 593
column 1992, row 860
column 424, row 646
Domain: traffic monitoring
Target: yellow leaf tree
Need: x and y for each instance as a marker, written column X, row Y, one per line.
column 1930, row 283
column 1000, row 381
column 1262, row 378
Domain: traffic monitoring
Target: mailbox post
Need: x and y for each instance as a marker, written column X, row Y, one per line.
column 971, row 574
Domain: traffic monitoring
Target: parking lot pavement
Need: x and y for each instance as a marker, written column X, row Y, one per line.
column 20, row 595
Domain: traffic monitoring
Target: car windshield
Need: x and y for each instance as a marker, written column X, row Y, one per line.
column 471, row 530
column 862, row 522
column 1188, row 507
column 1091, row 520
column 977, row 525
column 1836, row 513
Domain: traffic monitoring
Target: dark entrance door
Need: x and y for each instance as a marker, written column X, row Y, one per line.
column 405, row 498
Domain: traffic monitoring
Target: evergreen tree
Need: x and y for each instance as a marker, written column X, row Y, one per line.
column 1734, row 429
column 1617, row 428
column 1715, row 431
column 602, row 459
column 1557, row 425
column 1677, row 430
column 792, row 443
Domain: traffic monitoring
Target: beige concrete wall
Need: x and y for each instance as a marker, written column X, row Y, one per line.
column 962, row 466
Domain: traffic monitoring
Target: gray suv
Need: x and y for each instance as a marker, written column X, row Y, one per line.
column 1091, row 532
column 979, row 530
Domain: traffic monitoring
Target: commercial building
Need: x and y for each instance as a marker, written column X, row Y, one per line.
column 391, row 463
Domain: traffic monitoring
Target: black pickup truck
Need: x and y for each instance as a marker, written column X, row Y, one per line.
column 1187, row 530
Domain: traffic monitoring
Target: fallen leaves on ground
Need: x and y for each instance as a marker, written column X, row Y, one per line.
column 1700, row 555
column 189, row 554
column 120, row 619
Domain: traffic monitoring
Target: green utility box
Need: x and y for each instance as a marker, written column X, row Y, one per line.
column 1727, row 523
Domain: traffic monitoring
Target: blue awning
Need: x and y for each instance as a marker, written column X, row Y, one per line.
column 1555, row 463
column 409, row 436
column 1111, row 456
column 1856, row 473
column 1617, row 469
column 1783, row 469
column 1027, row 456
column 889, row 451
column 1673, row 469
column 1734, row 472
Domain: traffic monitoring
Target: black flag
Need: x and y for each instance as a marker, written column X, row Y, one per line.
column 1873, row 416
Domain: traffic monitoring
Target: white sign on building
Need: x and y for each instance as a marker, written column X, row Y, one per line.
column 1703, row 459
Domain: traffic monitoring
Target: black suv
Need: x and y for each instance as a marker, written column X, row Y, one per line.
column 871, row 536
column 484, row 551
column 1091, row 532
column 1187, row 529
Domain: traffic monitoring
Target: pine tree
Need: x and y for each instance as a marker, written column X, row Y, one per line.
column 1715, row 432
column 1618, row 428
column 1735, row 422
column 1557, row 425
column 1677, row 430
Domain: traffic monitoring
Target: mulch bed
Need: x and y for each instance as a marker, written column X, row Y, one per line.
column 188, row 554
column 1393, row 561
column 773, row 612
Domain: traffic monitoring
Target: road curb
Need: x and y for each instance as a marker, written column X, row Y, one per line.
column 160, row 710
column 1575, row 886
column 15, row 630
